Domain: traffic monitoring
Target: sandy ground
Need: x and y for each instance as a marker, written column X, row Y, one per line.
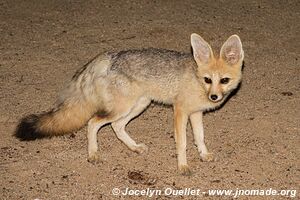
column 255, row 136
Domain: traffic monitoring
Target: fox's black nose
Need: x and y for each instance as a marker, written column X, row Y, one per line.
column 213, row 97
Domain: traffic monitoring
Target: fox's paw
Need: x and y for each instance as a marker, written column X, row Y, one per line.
column 94, row 158
column 208, row 157
column 185, row 170
column 141, row 148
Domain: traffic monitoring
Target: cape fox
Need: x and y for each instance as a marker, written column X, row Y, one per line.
column 116, row 87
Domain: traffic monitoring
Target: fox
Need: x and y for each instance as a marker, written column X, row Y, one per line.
column 115, row 87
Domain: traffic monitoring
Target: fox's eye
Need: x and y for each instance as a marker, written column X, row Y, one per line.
column 224, row 80
column 207, row 80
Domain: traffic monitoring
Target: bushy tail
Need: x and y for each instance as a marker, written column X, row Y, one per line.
column 64, row 119
column 77, row 104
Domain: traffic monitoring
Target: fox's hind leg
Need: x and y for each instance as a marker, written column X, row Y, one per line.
column 93, row 126
column 119, row 118
column 119, row 126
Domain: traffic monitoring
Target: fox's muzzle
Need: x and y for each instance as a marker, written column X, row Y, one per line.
column 215, row 97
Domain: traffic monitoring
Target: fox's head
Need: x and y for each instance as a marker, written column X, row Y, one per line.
column 219, row 75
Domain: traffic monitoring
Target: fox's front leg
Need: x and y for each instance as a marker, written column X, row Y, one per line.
column 180, row 121
column 197, row 125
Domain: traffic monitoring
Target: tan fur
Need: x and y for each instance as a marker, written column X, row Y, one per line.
column 66, row 120
column 116, row 87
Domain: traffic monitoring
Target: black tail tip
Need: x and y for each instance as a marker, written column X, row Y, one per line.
column 27, row 129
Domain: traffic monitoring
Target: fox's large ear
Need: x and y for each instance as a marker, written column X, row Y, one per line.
column 232, row 50
column 201, row 50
